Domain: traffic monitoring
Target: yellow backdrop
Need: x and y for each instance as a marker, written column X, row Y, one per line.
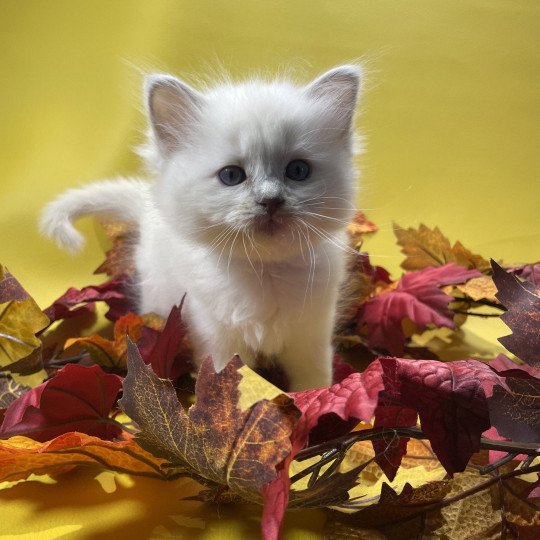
column 450, row 113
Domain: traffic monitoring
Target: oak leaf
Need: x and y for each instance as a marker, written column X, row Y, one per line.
column 522, row 301
column 21, row 456
column 77, row 398
column 429, row 247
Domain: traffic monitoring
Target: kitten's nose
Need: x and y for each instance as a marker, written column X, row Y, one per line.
column 271, row 204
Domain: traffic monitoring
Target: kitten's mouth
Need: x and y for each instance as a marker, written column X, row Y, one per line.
column 268, row 225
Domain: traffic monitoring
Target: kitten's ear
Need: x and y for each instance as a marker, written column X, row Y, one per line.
column 339, row 87
column 172, row 107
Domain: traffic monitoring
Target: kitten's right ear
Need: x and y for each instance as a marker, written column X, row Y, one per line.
column 172, row 108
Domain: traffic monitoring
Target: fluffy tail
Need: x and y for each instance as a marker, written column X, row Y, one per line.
column 123, row 199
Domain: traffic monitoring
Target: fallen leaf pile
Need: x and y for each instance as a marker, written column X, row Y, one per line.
column 403, row 445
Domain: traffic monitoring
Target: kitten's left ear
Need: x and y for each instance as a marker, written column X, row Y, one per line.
column 339, row 87
column 173, row 107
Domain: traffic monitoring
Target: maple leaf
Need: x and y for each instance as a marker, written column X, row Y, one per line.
column 479, row 288
column 451, row 401
column 21, row 456
column 359, row 226
column 522, row 302
column 20, row 321
column 416, row 297
column 354, row 397
column 167, row 351
column 515, row 408
column 111, row 292
column 429, row 247
column 389, row 454
column 232, row 435
column 528, row 272
column 77, row 398
column 119, row 259
column 10, row 390
column 111, row 353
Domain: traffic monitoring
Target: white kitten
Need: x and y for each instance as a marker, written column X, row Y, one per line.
column 255, row 185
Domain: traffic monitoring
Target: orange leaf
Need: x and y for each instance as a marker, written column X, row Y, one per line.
column 21, row 456
column 109, row 353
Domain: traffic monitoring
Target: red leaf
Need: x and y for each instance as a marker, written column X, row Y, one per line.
column 523, row 316
column 450, row 398
column 356, row 397
column 417, row 296
column 77, row 398
column 111, row 292
column 390, row 453
column 530, row 272
column 161, row 349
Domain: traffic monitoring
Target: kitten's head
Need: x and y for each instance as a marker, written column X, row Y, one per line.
column 256, row 165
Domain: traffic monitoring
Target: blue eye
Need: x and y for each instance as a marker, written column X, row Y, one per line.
column 232, row 175
column 297, row 170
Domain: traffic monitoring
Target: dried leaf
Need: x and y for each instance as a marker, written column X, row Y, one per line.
column 515, row 411
column 111, row 292
column 167, row 351
column 20, row 456
column 77, row 398
column 479, row 288
column 429, row 247
column 216, row 439
column 119, row 259
column 450, row 398
column 416, row 297
column 359, row 226
column 10, row 390
column 107, row 353
column 20, row 321
column 522, row 302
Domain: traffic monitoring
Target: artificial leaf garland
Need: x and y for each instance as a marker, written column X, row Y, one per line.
column 245, row 442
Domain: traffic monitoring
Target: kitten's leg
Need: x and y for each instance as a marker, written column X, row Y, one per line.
column 307, row 358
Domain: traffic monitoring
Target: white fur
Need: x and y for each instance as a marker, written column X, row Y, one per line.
column 249, row 291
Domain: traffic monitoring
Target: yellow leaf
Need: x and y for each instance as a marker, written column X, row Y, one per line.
column 20, row 320
column 429, row 247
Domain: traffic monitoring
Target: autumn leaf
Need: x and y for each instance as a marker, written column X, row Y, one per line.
column 10, row 390
column 20, row 320
column 226, row 437
column 417, row 297
column 77, row 398
column 21, row 456
column 119, row 259
column 111, row 353
column 451, row 401
column 359, row 226
column 528, row 272
column 167, row 351
column 522, row 302
column 354, row 397
column 429, row 247
column 76, row 302
column 479, row 288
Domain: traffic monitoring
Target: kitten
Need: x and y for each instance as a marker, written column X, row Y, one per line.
column 255, row 186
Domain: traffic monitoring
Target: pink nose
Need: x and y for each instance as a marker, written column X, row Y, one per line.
column 271, row 204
